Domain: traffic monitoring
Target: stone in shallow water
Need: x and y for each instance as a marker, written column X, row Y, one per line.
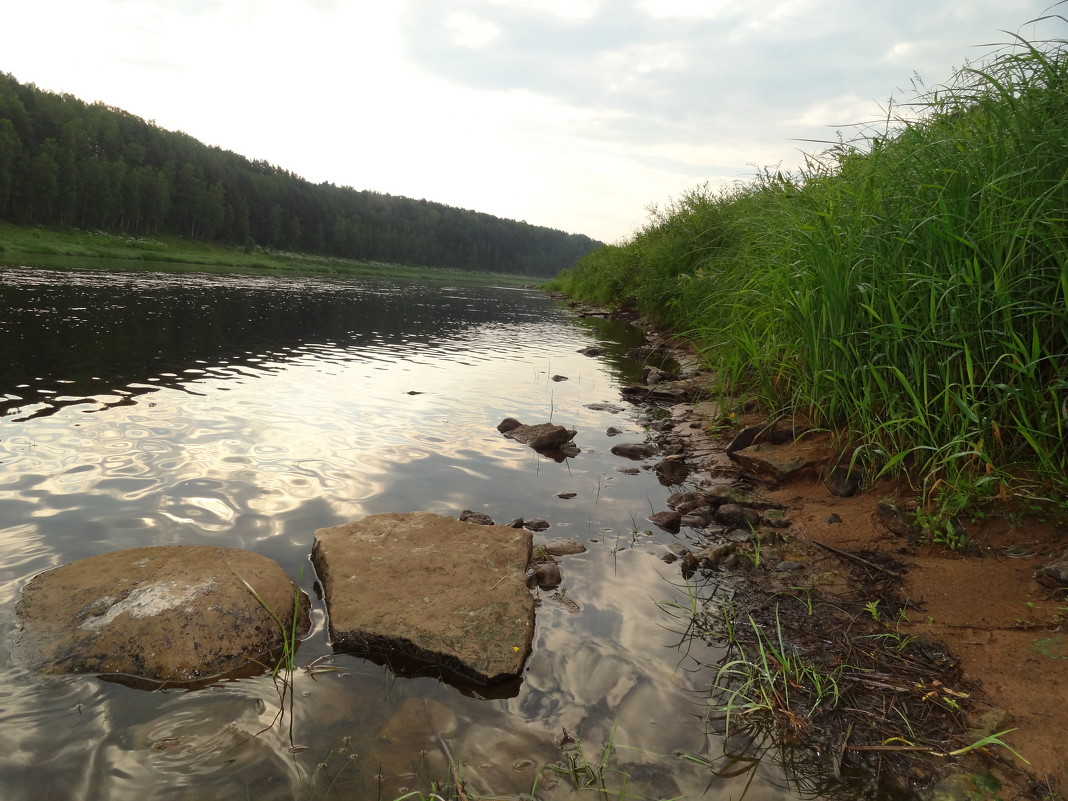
column 177, row 614
column 429, row 588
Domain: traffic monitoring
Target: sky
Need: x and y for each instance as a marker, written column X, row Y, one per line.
column 579, row 115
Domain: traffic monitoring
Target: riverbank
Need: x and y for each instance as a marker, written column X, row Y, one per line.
column 46, row 246
column 905, row 288
column 864, row 646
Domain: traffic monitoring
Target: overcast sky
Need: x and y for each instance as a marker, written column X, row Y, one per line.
column 575, row 114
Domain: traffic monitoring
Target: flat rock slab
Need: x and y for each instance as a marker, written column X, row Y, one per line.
column 783, row 463
column 175, row 614
column 433, row 589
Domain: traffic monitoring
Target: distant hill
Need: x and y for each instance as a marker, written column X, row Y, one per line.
column 70, row 163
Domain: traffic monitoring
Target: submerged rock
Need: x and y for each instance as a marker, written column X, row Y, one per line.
column 176, row 614
column 431, row 589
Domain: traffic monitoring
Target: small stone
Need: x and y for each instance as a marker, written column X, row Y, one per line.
column 567, row 496
column 540, row 437
column 689, row 564
column 693, row 521
column 1054, row 575
column 731, row 514
column 537, row 524
column 654, row 375
column 789, row 566
column 547, row 575
column 776, row 518
column 634, row 450
column 613, row 431
column 672, row 471
column 714, row 554
column 833, row 518
column 517, row 523
column 727, row 494
column 896, row 518
column 686, row 501
column 628, row 471
column 669, row 521
column 611, row 408
column 845, row 481
column 559, row 378
column 592, row 350
column 564, row 547
column 467, row 516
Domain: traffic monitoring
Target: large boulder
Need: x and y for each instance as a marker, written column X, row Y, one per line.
column 177, row 614
column 431, row 589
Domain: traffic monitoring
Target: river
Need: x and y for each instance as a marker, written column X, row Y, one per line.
column 151, row 408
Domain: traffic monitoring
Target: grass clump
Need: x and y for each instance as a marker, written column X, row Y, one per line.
column 907, row 287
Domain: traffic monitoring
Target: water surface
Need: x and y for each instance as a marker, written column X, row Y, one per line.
column 144, row 408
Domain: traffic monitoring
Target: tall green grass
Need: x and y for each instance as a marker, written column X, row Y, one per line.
column 908, row 288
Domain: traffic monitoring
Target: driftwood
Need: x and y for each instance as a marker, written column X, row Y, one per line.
column 859, row 560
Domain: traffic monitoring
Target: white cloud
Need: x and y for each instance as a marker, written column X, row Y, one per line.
column 684, row 9
column 565, row 9
column 576, row 114
column 470, row 31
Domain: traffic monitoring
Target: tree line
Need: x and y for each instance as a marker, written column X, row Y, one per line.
column 69, row 163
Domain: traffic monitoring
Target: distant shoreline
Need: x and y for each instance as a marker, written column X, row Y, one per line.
column 47, row 246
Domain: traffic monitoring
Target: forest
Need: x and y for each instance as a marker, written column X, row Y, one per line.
column 68, row 163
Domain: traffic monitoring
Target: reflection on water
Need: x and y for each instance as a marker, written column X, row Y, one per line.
column 152, row 409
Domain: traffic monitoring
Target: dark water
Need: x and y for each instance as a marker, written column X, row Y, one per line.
column 152, row 409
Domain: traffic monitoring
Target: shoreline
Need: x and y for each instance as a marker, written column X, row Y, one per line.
column 967, row 647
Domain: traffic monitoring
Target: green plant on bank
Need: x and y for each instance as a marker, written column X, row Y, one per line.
column 872, row 608
column 584, row 774
column 771, row 680
column 808, row 601
column 754, row 555
column 906, row 288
